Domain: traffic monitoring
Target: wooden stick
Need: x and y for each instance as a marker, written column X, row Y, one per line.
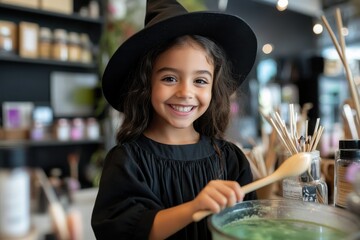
column 333, row 38
column 260, row 162
column 353, row 89
column 318, row 136
column 254, row 169
column 341, row 35
column 306, row 130
column 349, row 119
column 291, row 120
column 314, row 133
column 292, row 145
column 286, row 134
column 280, row 135
column 270, row 156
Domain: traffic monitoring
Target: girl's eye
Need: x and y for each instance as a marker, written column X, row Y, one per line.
column 201, row 81
column 169, row 79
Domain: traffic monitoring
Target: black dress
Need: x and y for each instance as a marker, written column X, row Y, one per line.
column 143, row 177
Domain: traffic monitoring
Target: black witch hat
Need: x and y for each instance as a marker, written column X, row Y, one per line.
column 167, row 19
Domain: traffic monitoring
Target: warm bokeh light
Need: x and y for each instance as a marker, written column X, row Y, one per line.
column 267, row 48
column 318, row 28
column 345, row 31
column 282, row 5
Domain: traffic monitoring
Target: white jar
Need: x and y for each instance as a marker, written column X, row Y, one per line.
column 63, row 129
column 14, row 193
column 92, row 129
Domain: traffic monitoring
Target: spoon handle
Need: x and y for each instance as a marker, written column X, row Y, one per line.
column 260, row 183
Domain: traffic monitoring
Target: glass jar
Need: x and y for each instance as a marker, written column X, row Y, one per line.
column 74, row 47
column 92, row 129
column 60, row 47
column 94, row 9
column 309, row 186
column 353, row 199
column 77, row 129
column 6, row 42
column 342, row 186
column 14, row 192
column 63, row 129
column 45, row 42
column 86, row 54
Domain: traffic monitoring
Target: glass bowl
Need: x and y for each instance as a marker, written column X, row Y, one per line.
column 283, row 219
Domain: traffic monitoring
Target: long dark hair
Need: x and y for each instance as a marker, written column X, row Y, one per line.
column 137, row 106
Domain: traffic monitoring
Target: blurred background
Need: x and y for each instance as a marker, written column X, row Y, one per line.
column 53, row 54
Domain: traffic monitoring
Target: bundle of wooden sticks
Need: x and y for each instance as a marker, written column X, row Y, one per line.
column 289, row 134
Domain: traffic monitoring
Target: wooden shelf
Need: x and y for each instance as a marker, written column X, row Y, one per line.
column 51, row 142
column 17, row 59
column 74, row 16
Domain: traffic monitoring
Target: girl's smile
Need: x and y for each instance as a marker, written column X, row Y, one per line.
column 182, row 109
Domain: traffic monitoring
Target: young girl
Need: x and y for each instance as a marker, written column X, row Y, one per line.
column 171, row 159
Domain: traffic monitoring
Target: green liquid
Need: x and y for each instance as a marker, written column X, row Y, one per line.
column 277, row 229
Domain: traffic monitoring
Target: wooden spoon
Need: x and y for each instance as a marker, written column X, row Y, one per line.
column 293, row 166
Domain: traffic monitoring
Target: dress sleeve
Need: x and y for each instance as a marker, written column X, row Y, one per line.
column 239, row 168
column 125, row 206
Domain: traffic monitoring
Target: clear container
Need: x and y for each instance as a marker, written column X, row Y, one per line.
column 309, row 186
column 14, row 193
column 319, row 216
column 45, row 42
column 92, row 129
column 63, row 129
column 60, row 47
column 6, row 41
column 74, row 47
column 353, row 199
column 77, row 129
column 86, row 53
column 342, row 186
column 94, row 9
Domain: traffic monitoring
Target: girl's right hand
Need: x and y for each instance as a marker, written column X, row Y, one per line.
column 217, row 195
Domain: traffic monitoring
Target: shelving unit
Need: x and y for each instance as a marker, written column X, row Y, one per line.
column 27, row 79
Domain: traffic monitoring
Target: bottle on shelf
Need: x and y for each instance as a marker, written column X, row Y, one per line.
column 14, row 193
column 74, row 47
column 60, row 47
column 45, row 43
column 86, row 53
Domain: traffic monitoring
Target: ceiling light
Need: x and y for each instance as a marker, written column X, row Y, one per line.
column 267, row 48
column 282, row 5
column 318, row 28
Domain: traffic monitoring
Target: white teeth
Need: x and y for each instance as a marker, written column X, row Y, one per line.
column 181, row 108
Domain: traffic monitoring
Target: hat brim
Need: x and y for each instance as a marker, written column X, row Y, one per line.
column 229, row 31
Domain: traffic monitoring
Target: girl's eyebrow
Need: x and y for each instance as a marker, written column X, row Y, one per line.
column 163, row 69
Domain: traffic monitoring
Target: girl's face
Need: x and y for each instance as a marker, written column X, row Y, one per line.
column 182, row 81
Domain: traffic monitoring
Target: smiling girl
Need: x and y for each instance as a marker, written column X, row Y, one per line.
column 171, row 159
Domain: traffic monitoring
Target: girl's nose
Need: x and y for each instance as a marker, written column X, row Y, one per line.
column 185, row 90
